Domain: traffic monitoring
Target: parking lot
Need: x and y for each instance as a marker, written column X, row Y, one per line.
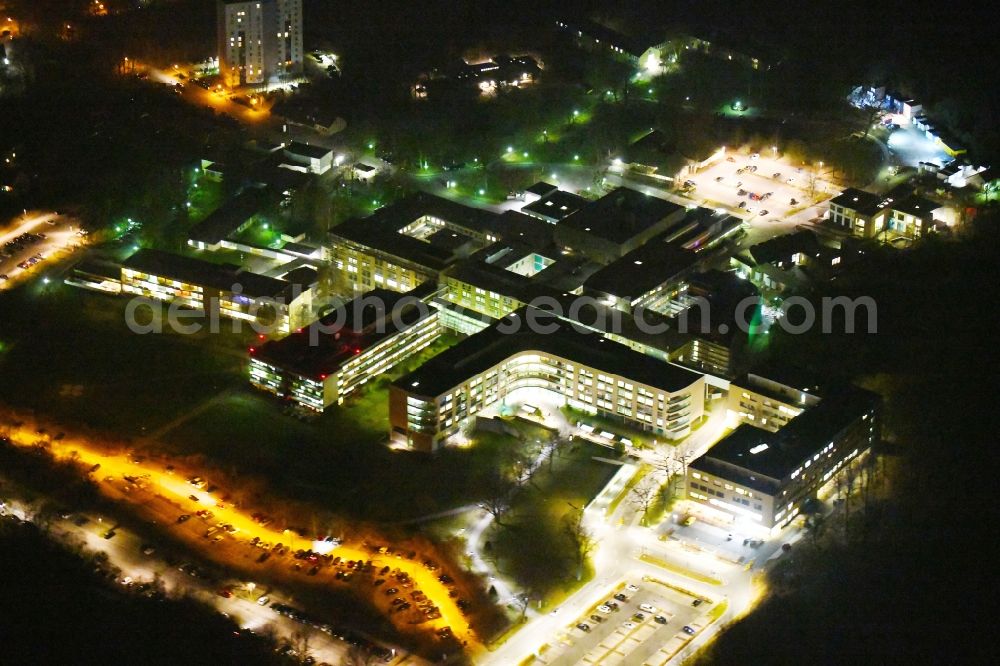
column 29, row 241
column 640, row 622
column 763, row 190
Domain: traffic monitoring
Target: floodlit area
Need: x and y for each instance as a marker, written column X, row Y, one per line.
column 912, row 147
column 112, row 471
column 762, row 188
column 29, row 242
column 647, row 621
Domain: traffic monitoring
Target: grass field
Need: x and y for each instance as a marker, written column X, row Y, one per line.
column 531, row 545
column 66, row 354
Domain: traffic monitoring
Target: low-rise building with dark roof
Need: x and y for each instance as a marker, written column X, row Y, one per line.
column 315, row 159
column 793, row 262
column 230, row 218
column 219, row 289
column 646, row 51
column 536, row 349
column 512, row 226
column 555, row 206
column 96, row 275
column 764, row 476
column 655, row 155
column 656, row 272
column 538, row 190
column 321, row 364
column 616, row 224
column 900, row 211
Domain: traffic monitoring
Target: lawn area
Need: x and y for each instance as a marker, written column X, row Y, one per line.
column 68, row 353
column 337, row 460
column 531, row 543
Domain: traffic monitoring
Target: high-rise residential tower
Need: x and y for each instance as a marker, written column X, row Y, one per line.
column 259, row 40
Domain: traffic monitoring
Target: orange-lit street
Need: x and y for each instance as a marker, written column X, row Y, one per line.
column 173, row 485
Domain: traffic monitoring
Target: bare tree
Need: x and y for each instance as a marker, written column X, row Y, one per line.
column 300, row 643
column 581, row 540
column 643, row 496
column 498, row 490
column 359, row 655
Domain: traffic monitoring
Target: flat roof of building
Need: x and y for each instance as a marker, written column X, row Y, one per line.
column 782, row 247
column 541, row 188
column 513, row 226
column 498, row 279
column 482, row 351
column 863, row 202
column 229, row 217
column 344, row 333
column 634, row 46
column 620, row 215
column 196, row 271
column 557, row 205
column 381, row 230
column 98, row 268
column 307, row 150
column 916, row 206
column 776, row 455
column 642, row 269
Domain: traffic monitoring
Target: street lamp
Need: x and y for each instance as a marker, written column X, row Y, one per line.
column 774, row 151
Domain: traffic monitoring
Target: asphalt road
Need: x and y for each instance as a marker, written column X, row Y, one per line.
column 166, row 495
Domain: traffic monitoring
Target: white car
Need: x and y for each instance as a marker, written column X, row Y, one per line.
column 755, row 156
column 262, row 601
column 647, row 608
column 604, row 609
column 632, row 588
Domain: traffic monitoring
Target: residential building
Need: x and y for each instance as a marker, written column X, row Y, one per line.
column 247, row 51
column 290, row 49
column 589, row 372
column 765, row 477
column 321, row 364
column 258, row 40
